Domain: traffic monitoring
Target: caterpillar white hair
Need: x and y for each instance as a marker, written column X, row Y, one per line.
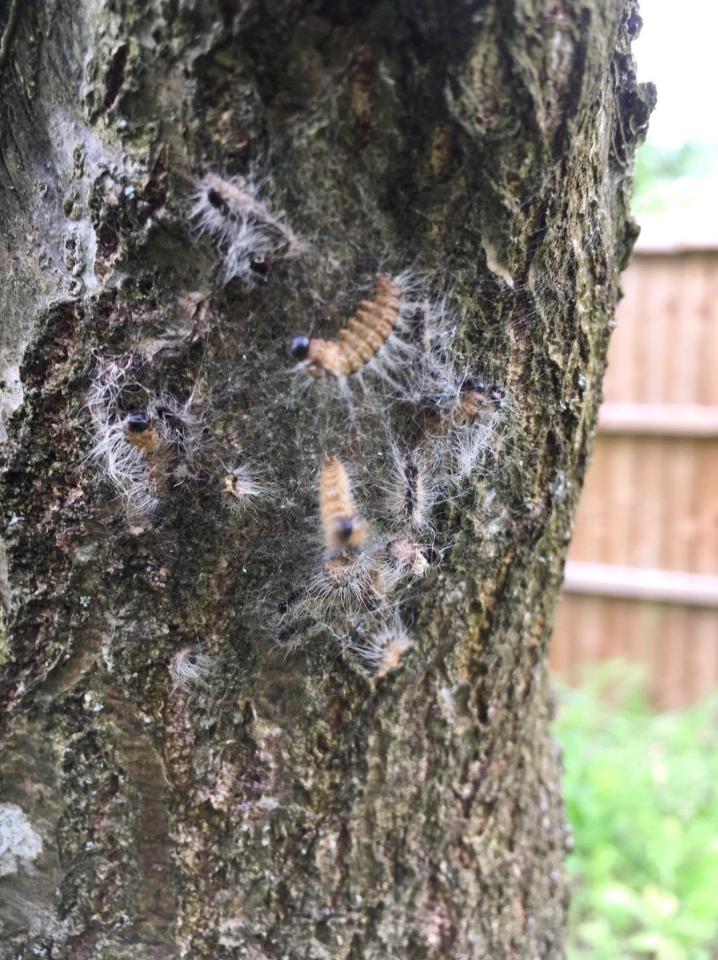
column 242, row 489
column 385, row 648
column 192, row 671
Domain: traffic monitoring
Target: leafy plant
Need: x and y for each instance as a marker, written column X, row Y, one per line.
column 670, row 181
column 642, row 795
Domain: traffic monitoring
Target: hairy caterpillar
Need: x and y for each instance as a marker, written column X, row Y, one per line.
column 123, row 463
column 465, row 398
column 382, row 653
column 358, row 573
column 364, row 343
column 474, row 428
column 140, row 452
column 410, row 490
column 351, row 576
column 250, row 236
column 477, row 398
column 407, row 556
column 142, row 433
column 461, row 414
column 167, row 435
column 342, row 528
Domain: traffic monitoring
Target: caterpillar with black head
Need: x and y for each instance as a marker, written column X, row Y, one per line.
column 343, row 529
column 370, row 340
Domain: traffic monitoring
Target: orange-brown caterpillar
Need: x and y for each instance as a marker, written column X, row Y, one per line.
column 351, row 576
column 343, row 529
column 157, row 440
column 476, row 398
column 359, row 343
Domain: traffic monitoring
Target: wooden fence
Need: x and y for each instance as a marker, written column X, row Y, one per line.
column 642, row 577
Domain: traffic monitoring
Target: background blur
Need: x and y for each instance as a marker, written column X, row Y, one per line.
column 635, row 646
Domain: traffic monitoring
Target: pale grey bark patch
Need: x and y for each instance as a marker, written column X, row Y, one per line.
column 20, row 845
column 10, row 396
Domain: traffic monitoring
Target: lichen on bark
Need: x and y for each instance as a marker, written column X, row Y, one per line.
column 295, row 807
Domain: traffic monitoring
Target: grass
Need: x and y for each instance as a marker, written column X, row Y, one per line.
column 642, row 796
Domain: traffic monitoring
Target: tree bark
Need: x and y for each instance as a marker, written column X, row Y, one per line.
column 293, row 806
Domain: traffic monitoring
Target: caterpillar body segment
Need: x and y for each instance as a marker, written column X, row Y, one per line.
column 366, row 342
column 342, row 528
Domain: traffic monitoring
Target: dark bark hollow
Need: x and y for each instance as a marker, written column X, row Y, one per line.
column 289, row 804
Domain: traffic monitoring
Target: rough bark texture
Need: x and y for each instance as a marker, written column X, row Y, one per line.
column 296, row 808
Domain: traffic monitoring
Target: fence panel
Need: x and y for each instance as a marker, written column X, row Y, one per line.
column 642, row 577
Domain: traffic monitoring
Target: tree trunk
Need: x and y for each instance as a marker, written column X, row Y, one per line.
column 202, row 758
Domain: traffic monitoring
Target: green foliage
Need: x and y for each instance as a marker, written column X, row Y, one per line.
column 654, row 163
column 642, row 795
column 667, row 181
